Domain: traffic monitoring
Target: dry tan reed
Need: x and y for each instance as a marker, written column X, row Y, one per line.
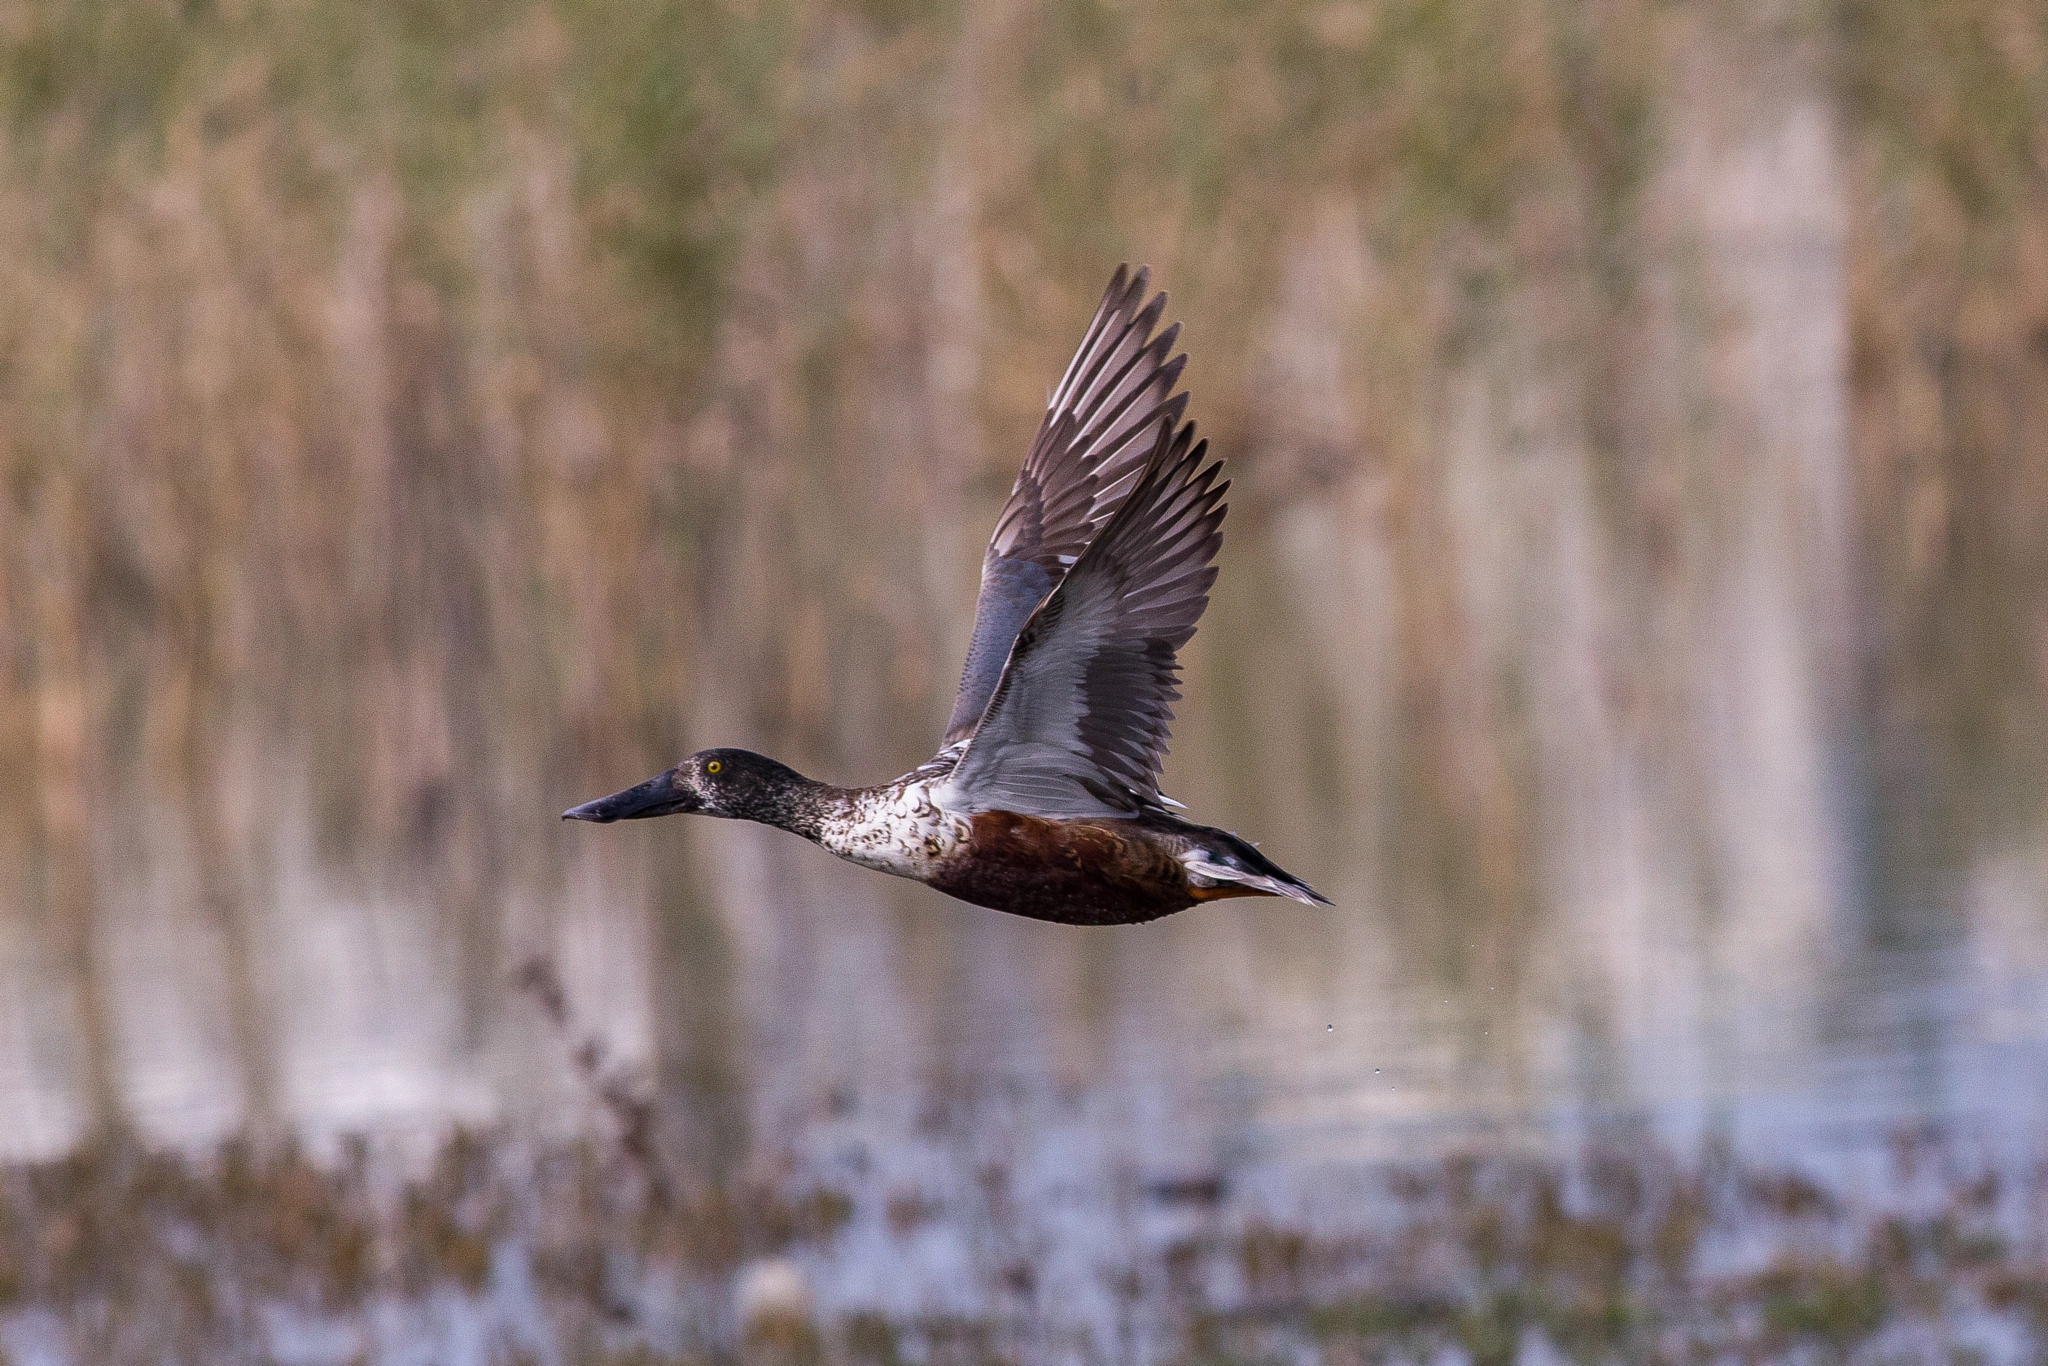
column 416, row 417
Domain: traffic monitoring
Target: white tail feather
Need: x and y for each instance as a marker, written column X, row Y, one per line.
column 1206, row 874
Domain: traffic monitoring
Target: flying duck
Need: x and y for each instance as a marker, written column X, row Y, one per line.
column 1043, row 799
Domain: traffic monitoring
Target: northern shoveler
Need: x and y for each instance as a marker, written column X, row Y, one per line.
column 1043, row 799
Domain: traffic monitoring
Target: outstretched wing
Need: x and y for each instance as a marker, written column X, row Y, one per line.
column 1095, row 437
column 1078, row 724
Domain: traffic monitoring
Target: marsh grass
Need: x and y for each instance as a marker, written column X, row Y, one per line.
column 430, row 387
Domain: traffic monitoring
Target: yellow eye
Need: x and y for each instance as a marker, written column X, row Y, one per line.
column 713, row 767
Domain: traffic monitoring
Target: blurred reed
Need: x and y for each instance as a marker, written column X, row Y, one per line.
column 417, row 418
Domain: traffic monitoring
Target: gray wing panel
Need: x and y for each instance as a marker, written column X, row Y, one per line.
column 1090, row 446
column 1010, row 591
column 1079, row 722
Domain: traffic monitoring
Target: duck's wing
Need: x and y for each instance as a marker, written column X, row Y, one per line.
column 1078, row 724
column 1096, row 434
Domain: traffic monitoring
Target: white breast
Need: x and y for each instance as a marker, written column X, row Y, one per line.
column 895, row 830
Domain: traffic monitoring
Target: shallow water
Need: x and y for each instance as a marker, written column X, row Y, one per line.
column 1251, row 1041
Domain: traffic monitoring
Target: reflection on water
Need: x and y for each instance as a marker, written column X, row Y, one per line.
column 881, row 1042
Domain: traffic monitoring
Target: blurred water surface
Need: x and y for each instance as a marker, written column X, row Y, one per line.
column 1634, row 607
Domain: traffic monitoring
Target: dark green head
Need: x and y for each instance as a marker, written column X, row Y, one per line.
column 735, row 783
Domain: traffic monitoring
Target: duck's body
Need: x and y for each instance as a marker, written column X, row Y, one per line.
column 1105, row 872
column 1090, row 871
column 1043, row 800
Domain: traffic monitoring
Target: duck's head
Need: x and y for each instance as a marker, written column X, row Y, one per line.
column 735, row 783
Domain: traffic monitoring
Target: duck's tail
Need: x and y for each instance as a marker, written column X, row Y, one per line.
column 1222, row 864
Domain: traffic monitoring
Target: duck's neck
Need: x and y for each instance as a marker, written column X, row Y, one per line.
column 792, row 802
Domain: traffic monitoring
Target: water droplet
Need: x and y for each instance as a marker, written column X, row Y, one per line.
column 1375, row 1071
column 1332, row 1029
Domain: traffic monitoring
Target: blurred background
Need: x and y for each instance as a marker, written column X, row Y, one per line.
column 1633, row 614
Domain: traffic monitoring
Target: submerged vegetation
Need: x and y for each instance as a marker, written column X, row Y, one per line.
column 497, row 1252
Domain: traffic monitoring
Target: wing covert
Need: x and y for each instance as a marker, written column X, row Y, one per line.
column 1093, row 440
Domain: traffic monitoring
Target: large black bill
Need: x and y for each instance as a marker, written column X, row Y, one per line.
column 660, row 795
